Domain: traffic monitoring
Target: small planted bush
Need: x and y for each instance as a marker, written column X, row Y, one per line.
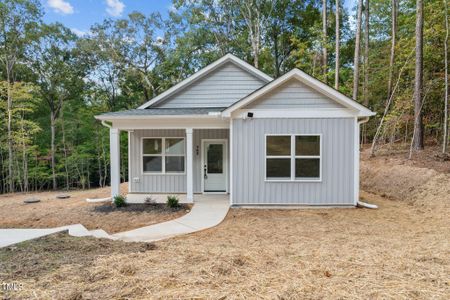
column 173, row 202
column 120, row 201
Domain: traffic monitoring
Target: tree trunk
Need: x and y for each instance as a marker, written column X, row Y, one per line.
column 386, row 109
column 366, row 53
column 357, row 47
column 276, row 53
column 24, row 161
column 52, row 151
column 10, row 139
column 337, row 62
column 393, row 42
column 324, row 40
column 418, row 82
column 66, row 169
column 257, row 44
column 445, row 134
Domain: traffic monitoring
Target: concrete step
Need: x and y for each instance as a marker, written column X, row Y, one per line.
column 100, row 233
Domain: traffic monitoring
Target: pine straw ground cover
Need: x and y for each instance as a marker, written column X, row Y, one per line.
column 400, row 251
column 53, row 212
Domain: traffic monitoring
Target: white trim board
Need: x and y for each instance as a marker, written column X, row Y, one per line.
column 310, row 81
column 206, row 70
column 295, row 113
column 176, row 123
column 210, row 115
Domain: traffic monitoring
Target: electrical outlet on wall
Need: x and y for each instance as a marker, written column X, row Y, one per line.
column 136, row 179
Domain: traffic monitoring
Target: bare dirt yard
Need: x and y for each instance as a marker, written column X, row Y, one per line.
column 53, row 212
column 400, row 251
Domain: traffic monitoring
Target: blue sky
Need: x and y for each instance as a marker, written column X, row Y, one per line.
column 80, row 15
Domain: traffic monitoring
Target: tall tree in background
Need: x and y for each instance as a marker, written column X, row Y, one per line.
column 337, row 59
column 418, row 81
column 255, row 14
column 324, row 40
column 19, row 20
column 54, row 65
column 445, row 133
column 357, row 48
column 366, row 53
column 394, row 11
column 283, row 19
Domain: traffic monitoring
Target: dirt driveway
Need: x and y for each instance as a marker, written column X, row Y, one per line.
column 53, row 212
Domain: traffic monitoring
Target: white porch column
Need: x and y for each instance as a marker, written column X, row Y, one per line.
column 189, row 166
column 114, row 142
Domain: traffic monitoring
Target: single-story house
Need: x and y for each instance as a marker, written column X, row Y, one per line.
column 232, row 129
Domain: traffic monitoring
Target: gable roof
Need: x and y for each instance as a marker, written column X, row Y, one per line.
column 205, row 71
column 308, row 80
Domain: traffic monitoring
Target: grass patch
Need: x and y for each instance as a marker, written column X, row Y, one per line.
column 34, row 258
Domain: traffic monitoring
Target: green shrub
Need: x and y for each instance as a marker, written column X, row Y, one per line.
column 173, row 202
column 120, row 201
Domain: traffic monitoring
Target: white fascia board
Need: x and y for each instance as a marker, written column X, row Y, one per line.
column 171, row 123
column 157, row 117
column 206, row 70
column 309, row 81
column 295, row 113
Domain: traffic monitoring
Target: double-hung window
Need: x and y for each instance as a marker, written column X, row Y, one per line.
column 293, row 157
column 163, row 155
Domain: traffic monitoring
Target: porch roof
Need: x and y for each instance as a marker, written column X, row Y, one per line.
column 159, row 112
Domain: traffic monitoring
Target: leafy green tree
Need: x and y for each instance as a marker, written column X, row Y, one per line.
column 19, row 21
column 59, row 76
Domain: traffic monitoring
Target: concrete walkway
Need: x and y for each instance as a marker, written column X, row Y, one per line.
column 208, row 211
column 13, row 236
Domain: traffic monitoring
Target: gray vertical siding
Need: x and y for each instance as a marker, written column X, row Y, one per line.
column 220, row 88
column 293, row 94
column 167, row 183
column 249, row 185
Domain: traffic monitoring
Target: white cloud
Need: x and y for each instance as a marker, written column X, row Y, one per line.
column 78, row 32
column 61, row 6
column 172, row 8
column 114, row 7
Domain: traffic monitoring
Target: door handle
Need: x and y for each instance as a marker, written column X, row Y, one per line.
column 204, row 172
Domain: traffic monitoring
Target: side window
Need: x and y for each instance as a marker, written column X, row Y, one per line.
column 152, row 155
column 278, row 157
column 307, row 157
column 293, row 157
column 163, row 155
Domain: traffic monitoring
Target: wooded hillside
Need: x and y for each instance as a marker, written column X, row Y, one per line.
column 388, row 55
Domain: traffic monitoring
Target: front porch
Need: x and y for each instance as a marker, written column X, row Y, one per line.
column 190, row 163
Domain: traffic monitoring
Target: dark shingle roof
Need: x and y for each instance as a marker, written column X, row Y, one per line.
column 162, row 112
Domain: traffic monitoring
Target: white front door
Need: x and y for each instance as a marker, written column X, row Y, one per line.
column 214, row 166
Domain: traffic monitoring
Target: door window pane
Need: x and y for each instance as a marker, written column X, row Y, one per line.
column 152, row 163
column 307, row 145
column 278, row 145
column 152, row 146
column 175, row 146
column 278, row 168
column 307, row 168
column 215, row 159
column 174, row 164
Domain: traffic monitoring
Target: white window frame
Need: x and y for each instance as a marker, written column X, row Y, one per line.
column 293, row 157
column 163, row 156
